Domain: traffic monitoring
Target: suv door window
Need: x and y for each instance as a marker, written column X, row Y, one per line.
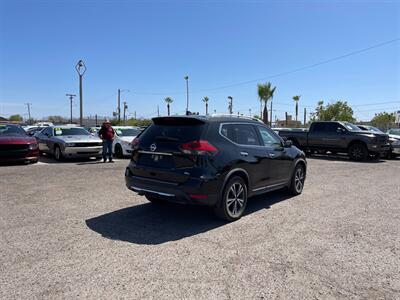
column 269, row 138
column 242, row 134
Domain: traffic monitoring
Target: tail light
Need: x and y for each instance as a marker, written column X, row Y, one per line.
column 135, row 143
column 200, row 147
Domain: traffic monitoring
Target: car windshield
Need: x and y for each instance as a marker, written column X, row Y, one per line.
column 70, row 131
column 11, row 130
column 395, row 131
column 374, row 129
column 127, row 131
column 351, row 127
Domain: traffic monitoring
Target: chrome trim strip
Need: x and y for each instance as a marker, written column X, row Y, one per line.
column 136, row 189
column 157, row 153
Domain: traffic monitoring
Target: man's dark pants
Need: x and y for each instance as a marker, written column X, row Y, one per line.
column 107, row 149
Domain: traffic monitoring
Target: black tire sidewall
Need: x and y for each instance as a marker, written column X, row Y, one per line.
column 221, row 209
column 55, row 151
column 364, row 152
column 118, row 151
column 293, row 190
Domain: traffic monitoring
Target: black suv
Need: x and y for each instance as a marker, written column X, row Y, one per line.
column 214, row 161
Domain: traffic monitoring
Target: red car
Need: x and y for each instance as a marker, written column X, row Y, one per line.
column 16, row 145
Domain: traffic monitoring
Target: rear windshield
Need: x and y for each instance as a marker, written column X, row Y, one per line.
column 11, row 130
column 127, row 131
column 172, row 133
column 70, row 131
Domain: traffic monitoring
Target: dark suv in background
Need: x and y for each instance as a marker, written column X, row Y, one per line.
column 214, row 161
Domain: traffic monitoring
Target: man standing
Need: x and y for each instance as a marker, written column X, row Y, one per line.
column 106, row 133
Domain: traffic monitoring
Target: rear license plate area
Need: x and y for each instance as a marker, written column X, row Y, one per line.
column 156, row 160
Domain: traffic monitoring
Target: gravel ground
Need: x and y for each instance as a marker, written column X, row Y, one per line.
column 72, row 230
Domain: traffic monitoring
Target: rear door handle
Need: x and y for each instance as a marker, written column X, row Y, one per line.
column 244, row 153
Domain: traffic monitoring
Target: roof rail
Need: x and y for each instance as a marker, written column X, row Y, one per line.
column 236, row 116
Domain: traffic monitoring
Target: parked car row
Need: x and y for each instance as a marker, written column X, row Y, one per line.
column 342, row 137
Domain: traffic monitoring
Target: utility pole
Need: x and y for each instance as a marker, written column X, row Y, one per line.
column 305, row 116
column 95, row 118
column 81, row 69
column 187, row 94
column 28, row 105
column 119, row 106
column 230, row 106
column 270, row 118
column 125, row 108
column 158, row 110
column 71, row 98
column 286, row 118
column 250, row 112
column 135, row 114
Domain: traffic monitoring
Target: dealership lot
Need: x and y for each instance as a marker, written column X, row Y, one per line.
column 72, row 229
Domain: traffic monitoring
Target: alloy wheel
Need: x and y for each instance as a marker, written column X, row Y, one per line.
column 235, row 199
column 299, row 180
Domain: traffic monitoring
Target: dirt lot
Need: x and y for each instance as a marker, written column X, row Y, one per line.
column 72, row 230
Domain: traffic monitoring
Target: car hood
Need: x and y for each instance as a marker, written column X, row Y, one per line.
column 78, row 138
column 127, row 138
column 14, row 140
column 369, row 133
column 394, row 136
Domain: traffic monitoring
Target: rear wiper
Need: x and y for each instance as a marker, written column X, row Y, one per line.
column 166, row 138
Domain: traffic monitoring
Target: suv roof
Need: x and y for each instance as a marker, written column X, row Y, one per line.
column 211, row 118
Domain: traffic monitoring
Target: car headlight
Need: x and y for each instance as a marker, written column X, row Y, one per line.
column 33, row 146
column 396, row 143
column 69, row 144
column 126, row 143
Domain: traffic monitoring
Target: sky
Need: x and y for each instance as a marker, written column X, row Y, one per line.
column 225, row 47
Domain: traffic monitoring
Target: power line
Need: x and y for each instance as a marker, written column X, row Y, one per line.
column 352, row 53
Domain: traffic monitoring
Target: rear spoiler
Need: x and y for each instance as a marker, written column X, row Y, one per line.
column 182, row 120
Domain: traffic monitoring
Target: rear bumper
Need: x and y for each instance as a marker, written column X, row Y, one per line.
column 193, row 191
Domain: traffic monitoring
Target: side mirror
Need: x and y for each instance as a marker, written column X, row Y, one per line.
column 288, row 144
column 340, row 130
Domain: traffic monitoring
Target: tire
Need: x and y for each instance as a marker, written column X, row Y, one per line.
column 118, row 151
column 358, row 152
column 297, row 181
column 234, row 199
column 154, row 200
column 57, row 153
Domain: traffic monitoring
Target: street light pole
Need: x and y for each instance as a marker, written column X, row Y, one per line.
column 81, row 69
column 187, row 94
column 119, row 106
column 28, row 105
column 71, row 98
column 230, row 104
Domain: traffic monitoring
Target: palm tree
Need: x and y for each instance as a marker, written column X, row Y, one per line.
column 265, row 93
column 205, row 100
column 168, row 100
column 296, row 99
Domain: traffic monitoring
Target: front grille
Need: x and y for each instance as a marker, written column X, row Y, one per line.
column 16, row 147
column 93, row 144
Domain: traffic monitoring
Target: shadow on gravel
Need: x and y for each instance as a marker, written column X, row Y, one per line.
column 156, row 224
column 338, row 157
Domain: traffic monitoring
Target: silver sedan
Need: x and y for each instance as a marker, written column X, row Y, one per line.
column 68, row 142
